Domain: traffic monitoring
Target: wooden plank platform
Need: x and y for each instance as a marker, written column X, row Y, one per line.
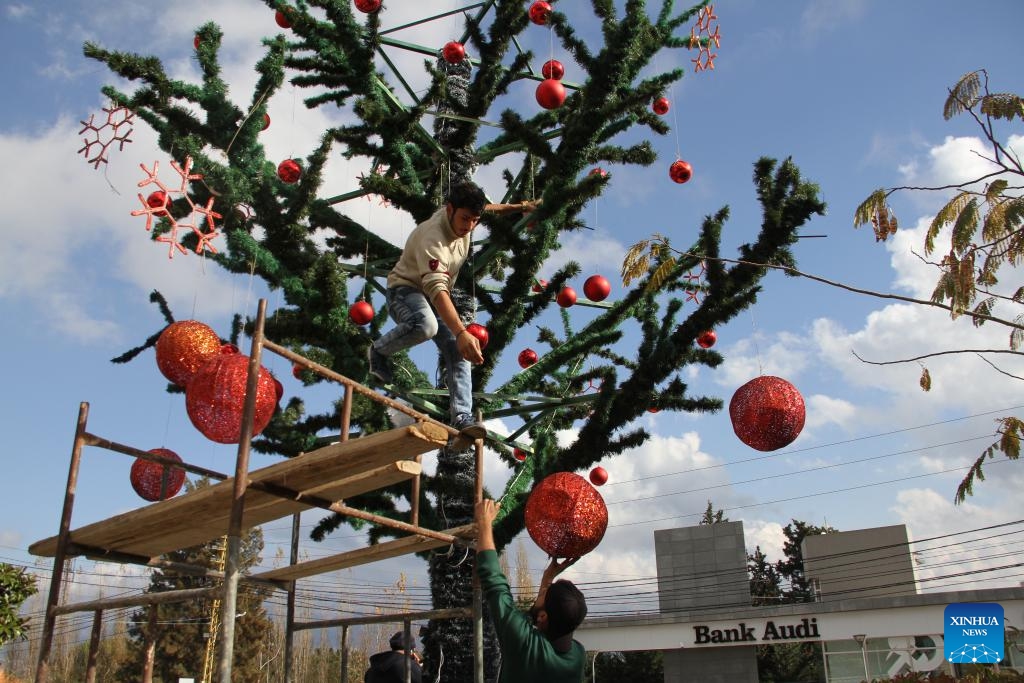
column 371, row 553
column 334, row 472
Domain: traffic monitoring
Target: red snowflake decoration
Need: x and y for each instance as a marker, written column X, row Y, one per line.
column 382, row 200
column 695, row 284
column 702, row 37
column 119, row 123
column 197, row 218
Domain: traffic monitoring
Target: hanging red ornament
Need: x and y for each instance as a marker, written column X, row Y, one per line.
column 539, row 286
column 147, row 477
column 527, row 357
column 289, row 171
column 767, row 413
column 480, row 332
column 184, row 347
column 654, row 409
column 196, row 41
column 282, row 19
column 215, row 398
column 361, row 312
column 297, row 371
column 519, row 454
column 597, row 170
column 453, row 52
column 266, row 122
column 550, row 93
column 565, row 515
column 566, row 297
column 597, row 288
column 707, row 339
column 660, row 106
column 680, row 171
column 553, row 69
column 539, row 12
column 598, row 476
column 367, row 6
column 158, row 200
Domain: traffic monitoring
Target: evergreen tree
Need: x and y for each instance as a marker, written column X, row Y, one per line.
column 791, row 569
column 765, row 580
column 301, row 241
column 16, row 586
column 711, row 516
column 182, row 628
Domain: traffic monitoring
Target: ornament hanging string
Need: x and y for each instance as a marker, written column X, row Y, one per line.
column 247, row 116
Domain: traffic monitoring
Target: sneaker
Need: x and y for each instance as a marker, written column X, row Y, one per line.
column 470, row 428
column 379, row 365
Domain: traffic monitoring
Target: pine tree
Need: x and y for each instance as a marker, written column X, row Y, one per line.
column 792, row 568
column 182, row 628
column 331, row 50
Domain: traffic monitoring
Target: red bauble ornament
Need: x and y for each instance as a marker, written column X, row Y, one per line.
column 266, row 122
column 550, row 93
column 707, row 339
column 282, row 19
column 654, row 409
column 158, row 200
column 519, row 454
column 680, row 171
column 196, row 41
column 289, row 171
column 215, row 398
column 553, row 69
column 367, row 6
column 539, row 286
column 527, row 357
column 453, row 52
column 660, row 106
column 566, row 297
column 767, row 413
column 480, row 332
column 598, row 476
column 147, row 477
column 184, row 347
column 297, row 371
column 565, row 515
column 598, row 171
column 597, row 288
column 539, row 12
column 361, row 312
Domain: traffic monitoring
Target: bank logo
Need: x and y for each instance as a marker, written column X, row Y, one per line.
column 974, row 632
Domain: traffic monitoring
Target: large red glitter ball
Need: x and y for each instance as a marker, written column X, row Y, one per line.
column 767, row 413
column 367, row 6
column 527, row 357
column 539, row 12
column 680, row 171
column 480, row 332
column 453, row 52
column 552, row 69
column 597, row 288
column 550, row 93
column 565, row 515
column 361, row 312
column 184, row 347
column 215, row 398
column 289, row 171
column 566, row 297
column 147, row 477
column 660, row 106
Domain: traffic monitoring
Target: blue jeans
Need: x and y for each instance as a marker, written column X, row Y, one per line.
column 417, row 323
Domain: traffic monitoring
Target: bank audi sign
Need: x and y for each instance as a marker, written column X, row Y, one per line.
column 753, row 632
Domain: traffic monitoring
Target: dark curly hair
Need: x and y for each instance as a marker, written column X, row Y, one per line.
column 467, row 196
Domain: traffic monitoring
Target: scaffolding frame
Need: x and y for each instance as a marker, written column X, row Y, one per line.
column 370, row 466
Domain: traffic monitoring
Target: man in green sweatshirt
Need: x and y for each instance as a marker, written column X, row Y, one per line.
column 542, row 651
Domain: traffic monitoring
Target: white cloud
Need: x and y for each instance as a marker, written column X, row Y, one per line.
column 824, row 16
column 825, row 410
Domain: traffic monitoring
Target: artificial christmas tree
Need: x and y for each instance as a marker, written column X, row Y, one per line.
column 304, row 239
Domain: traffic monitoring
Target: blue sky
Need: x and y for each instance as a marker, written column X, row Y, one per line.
column 851, row 89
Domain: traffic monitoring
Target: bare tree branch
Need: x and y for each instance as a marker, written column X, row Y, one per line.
column 999, row 370
column 943, row 353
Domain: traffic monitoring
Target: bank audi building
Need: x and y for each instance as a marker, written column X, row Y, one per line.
column 868, row 616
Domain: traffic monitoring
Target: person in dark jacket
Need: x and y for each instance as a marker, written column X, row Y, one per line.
column 389, row 667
